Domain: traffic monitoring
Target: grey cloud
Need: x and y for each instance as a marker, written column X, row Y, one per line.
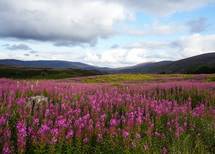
column 161, row 30
column 18, row 47
column 198, row 25
column 71, row 43
column 163, row 7
column 5, row 45
column 27, row 55
column 153, row 45
column 33, row 51
column 76, row 23
column 114, row 46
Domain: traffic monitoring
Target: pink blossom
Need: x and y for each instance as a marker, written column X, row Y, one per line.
column 177, row 133
column 85, row 140
column 145, row 147
column 54, row 140
column 163, row 136
column 113, row 122
column 70, row 134
column 133, row 144
column 138, row 136
column 125, row 134
column 157, row 134
column 164, row 150
column 36, row 121
column 2, row 121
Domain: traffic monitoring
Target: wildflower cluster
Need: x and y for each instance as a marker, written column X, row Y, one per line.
column 176, row 116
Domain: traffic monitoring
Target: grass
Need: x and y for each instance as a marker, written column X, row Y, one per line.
column 138, row 78
column 118, row 78
column 211, row 78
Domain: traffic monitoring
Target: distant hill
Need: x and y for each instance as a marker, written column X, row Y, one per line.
column 140, row 68
column 48, row 64
column 187, row 65
column 23, row 72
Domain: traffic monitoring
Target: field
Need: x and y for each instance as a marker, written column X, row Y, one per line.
column 109, row 114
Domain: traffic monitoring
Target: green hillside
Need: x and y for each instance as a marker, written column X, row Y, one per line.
column 22, row 72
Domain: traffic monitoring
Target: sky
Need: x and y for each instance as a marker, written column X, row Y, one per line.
column 106, row 33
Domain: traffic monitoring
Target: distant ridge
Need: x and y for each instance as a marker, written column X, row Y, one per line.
column 179, row 66
column 172, row 67
column 48, row 64
column 23, row 72
column 141, row 68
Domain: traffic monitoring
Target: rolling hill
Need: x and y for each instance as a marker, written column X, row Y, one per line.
column 49, row 64
column 23, row 72
column 187, row 65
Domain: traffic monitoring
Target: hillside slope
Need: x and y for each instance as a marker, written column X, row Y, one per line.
column 186, row 65
column 42, row 73
column 48, row 64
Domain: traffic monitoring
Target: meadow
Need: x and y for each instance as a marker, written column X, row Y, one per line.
column 109, row 114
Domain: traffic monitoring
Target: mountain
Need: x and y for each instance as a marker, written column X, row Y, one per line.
column 140, row 68
column 23, row 72
column 48, row 64
column 187, row 65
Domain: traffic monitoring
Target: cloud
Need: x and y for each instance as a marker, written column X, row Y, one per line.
column 117, row 57
column 71, row 23
column 182, row 47
column 33, row 51
column 69, row 55
column 163, row 7
column 196, row 44
column 3, row 56
column 66, row 22
column 158, row 29
column 18, row 47
column 130, row 54
column 21, row 47
column 197, row 25
column 114, row 46
column 27, row 55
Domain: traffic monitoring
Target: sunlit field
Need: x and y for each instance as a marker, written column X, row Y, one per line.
column 109, row 114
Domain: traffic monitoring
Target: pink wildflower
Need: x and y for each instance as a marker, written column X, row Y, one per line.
column 157, row 134
column 146, row 147
column 138, row 136
column 164, row 150
column 125, row 134
column 54, row 140
column 85, row 140
column 133, row 144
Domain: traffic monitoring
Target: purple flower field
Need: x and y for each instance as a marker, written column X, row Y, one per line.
column 50, row 116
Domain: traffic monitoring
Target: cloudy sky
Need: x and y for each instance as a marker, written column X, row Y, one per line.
column 111, row 33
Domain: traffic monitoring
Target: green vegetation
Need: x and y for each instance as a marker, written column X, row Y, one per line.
column 118, row 78
column 116, row 85
column 211, row 78
column 203, row 69
column 137, row 78
column 20, row 72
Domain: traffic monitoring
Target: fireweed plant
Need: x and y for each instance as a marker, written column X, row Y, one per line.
column 170, row 117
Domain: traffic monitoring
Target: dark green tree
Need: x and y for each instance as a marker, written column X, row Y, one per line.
column 203, row 69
